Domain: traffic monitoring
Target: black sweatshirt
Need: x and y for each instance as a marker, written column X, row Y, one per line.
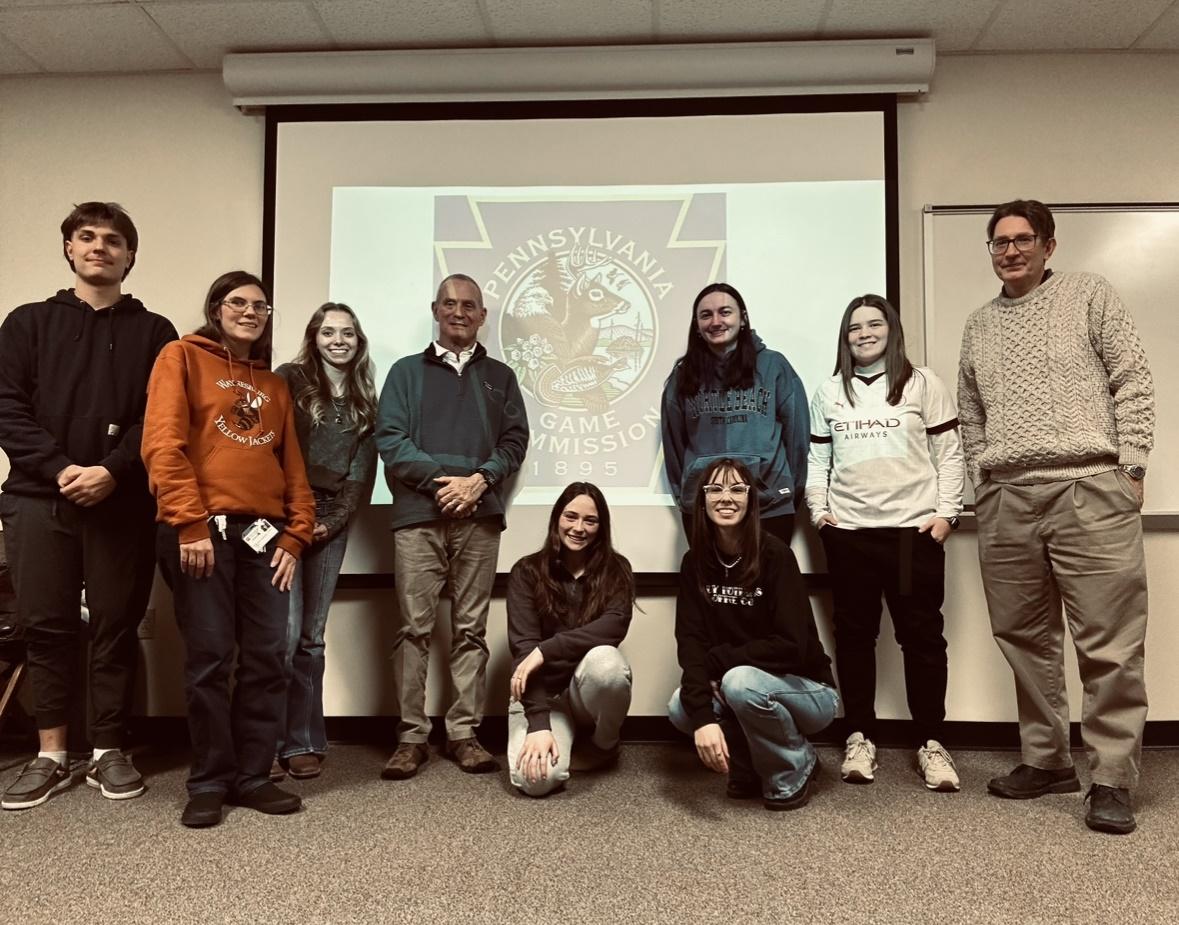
column 768, row 626
column 562, row 646
column 73, row 387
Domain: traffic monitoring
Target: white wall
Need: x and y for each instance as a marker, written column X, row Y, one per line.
column 189, row 169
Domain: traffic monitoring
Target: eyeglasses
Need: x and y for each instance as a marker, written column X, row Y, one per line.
column 739, row 490
column 239, row 305
column 1023, row 243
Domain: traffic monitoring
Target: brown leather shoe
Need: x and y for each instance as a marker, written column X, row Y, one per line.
column 406, row 760
column 277, row 771
column 302, row 767
column 471, row 757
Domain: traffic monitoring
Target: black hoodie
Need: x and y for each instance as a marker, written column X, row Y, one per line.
column 73, row 386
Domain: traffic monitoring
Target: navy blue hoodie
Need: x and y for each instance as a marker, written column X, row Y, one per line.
column 73, row 387
column 767, row 427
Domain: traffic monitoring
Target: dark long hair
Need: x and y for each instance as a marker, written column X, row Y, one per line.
column 696, row 366
column 315, row 395
column 897, row 368
column 222, row 286
column 704, row 539
column 607, row 573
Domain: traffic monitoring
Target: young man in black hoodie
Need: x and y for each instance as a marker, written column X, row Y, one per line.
column 75, row 505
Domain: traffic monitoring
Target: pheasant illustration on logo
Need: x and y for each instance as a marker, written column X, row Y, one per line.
column 578, row 329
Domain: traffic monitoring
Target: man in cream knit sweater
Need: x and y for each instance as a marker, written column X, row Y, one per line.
column 1056, row 406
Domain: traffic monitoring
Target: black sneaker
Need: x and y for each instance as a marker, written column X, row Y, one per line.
column 270, row 799
column 203, row 810
column 37, row 782
column 740, row 788
column 115, row 776
column 1025, row 782
column 1110, row 810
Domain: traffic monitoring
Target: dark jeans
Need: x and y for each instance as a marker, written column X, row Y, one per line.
column 907, row 568
column 304, row 731
column 54, row 547
column 233, row 741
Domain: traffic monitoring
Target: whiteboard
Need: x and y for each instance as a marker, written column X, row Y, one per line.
column 1135, row 246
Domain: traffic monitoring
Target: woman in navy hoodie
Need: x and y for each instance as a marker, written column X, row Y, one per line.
column 731, row 396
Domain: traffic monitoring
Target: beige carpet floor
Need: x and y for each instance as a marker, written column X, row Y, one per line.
column 653, row 841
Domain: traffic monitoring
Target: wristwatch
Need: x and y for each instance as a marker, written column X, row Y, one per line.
column 487, row 477
column 1137, row 473
column 954, row 522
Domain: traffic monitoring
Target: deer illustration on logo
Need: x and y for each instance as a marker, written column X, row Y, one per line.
column 562, row 335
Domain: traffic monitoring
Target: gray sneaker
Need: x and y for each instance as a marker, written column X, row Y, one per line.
column 37, row 781
column 115, row 776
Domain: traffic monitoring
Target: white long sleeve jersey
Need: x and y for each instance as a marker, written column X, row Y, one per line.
column 873, row 464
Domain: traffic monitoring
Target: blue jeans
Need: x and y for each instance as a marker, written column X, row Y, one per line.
column 766, row 719
column 312, row 590
column 233, row 737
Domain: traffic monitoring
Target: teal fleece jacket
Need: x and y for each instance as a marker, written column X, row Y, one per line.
column 431, row 422
column 767, row 427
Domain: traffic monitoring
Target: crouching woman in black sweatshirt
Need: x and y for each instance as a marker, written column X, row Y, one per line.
column 756, row 681
column 569, row 606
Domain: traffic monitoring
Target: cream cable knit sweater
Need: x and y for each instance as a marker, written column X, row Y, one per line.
column 1054, row 385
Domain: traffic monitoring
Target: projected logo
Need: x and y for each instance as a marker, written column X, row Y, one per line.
column 578, row 292
column 579, row 329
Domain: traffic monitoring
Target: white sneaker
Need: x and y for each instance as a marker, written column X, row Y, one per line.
column 859, row 760
column 937, row 767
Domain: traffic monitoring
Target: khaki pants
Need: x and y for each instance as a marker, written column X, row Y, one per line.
column 460, row 554
column 1079, row 542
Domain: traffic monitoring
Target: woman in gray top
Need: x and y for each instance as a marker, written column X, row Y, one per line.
column 331, row 381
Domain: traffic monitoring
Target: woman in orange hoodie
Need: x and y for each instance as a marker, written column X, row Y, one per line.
column 235, row 512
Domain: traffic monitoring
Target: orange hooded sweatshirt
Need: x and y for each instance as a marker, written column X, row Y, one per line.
column 219, row 438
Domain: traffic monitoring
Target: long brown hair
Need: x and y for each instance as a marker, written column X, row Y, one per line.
column 704, row 539
column 315, row 395
column 695, row 368
column 222, row 286
column 897, row 368
column 607, row 573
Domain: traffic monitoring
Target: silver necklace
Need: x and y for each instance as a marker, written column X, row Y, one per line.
column 727, row 566
column 339, row 404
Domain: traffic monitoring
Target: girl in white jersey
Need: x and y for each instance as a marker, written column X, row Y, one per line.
column 884, row 487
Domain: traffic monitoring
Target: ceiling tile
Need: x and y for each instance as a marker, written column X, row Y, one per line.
column 405, row 24
column 91, row 38
column 1023, row 25
column 1165, row 34
column 759, row 20
column 206, row 32
column 535, row 22
column 14, row 61
column 953, row 26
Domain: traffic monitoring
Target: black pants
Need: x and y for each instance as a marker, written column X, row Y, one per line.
column 233, row 740
column 54, row 547
column 907, row 568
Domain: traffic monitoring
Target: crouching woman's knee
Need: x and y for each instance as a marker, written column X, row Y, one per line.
column 604, row 668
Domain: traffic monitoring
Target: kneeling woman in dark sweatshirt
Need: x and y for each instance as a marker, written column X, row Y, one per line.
column 222, row 458
column 756, row 681
column 569, row 606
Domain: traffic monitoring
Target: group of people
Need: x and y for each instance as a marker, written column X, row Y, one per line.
column 112, row 423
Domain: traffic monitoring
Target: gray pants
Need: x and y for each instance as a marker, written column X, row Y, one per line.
column 461, row 555
column 1080, row 542
column 598, row 696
